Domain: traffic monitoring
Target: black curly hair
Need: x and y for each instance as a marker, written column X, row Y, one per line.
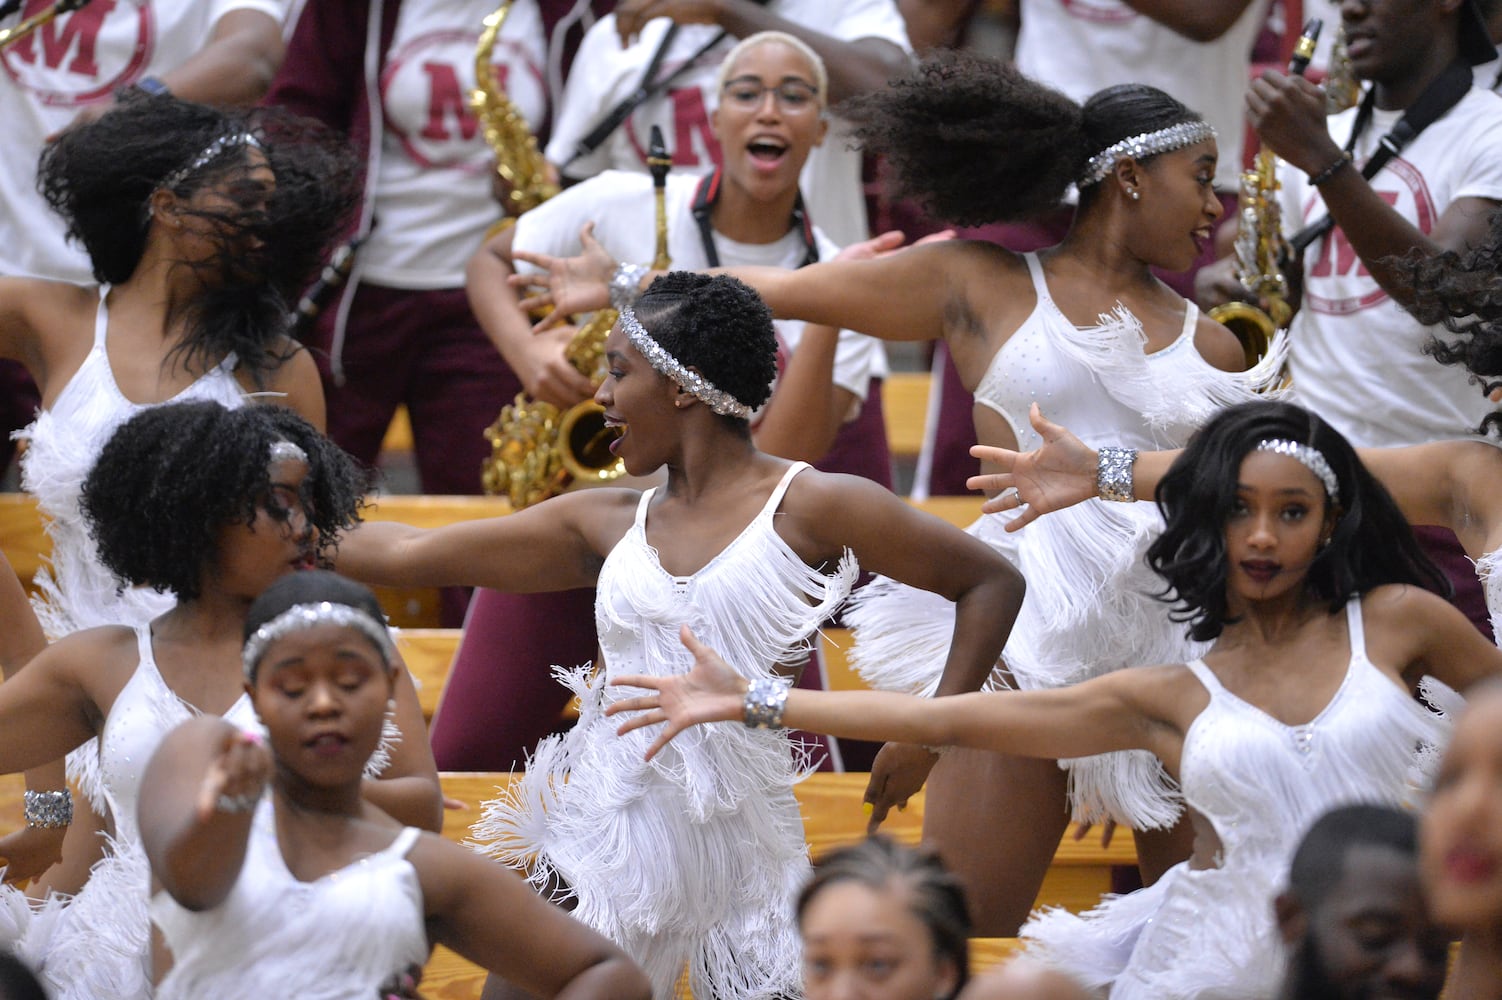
column 100, row 178
column 717, row 325
column 935, row 895
column 172, row 476
column 312, row 586
column 975, row 141
column 1463, row 293
column 1372, row 543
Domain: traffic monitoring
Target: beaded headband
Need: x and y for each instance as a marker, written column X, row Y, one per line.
column 1310, row 458
column 305, row 616
column 1164, row 140
column 658, row 357
column 287, row 451
column 212, row 150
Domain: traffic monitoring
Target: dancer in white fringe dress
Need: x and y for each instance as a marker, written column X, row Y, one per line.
column 201, row 226
column 1284, row 552
column 1084, row 326
column 212, row 505
column 280, row 878
column 694, row 858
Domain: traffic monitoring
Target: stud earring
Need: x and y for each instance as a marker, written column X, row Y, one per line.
column 1136, row 195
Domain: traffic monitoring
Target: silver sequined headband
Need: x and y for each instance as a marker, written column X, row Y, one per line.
column 1310, row 458
column 658, row 357
column 287, row 451
column 212, row 150
column 1164, row 140
column 305, row 616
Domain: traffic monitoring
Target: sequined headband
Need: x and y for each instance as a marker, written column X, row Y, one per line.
column 287, row 451
column 1164, row 140
column 1310, row 458
column 658, row 357
column 212, row 150
column 305, row 616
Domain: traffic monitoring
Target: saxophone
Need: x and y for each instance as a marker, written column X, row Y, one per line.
column 1259, row 241
column 26, row 26
column 1342, row 89
column 536, row 450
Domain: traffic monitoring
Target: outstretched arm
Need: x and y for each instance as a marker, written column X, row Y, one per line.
column 486, row 913
column 1124, row 710
column 198, row 797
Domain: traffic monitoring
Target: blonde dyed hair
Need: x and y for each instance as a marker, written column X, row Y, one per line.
column 798, row 45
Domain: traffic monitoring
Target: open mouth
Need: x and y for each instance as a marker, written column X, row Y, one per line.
column 620, row 428
column 767, row 151
column 327, row 744
column 1261, row 572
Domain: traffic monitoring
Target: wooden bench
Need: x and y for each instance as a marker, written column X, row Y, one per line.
column 832, row 816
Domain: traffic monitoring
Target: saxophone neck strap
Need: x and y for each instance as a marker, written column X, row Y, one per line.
column 708, row 193
column 1443, row 93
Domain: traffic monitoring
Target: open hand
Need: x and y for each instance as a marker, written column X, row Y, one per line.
column 237, row 777
column 897, row 774
column 571, row 285
column 887, row 243
column 546, row 372
column 1059, row 474
column 710, row 692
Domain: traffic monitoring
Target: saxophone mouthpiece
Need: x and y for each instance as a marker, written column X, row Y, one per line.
column 658, row 160
column 1303, row 49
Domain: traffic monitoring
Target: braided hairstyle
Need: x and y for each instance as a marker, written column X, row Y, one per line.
column 975, row 141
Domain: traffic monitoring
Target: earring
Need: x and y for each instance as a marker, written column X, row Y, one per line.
column 1136, row 195
column 390, row 706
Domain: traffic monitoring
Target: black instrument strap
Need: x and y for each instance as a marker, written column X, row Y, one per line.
column 1438, row 98
column 708, row 193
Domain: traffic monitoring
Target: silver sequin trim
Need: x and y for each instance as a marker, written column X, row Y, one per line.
column 1310, row 458
column 658, row 357
column 1164, row 140
column 302, row 616
column 1113, row 474
column 210, row 151
column 766, row 697
column 287, row 451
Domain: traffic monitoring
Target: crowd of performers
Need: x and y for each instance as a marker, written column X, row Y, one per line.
column 1243, row 606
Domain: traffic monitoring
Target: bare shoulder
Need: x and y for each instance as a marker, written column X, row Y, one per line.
column 813, row 493
column 97, row 660
column 1218, row 345
column 51, row 321
column 1403, row 620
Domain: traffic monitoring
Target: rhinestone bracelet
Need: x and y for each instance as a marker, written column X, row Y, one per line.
column 765, row 699
column 1113, row 474
column 48, row 810
column 237, row 803
column 625, row 285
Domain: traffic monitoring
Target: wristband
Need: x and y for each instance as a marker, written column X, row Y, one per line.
column 237, row 803
column 765, row 699
column 1324, row 175
column 625, row 285
column 48, row 810
column 1113, row 474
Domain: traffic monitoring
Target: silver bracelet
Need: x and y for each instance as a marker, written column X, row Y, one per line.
column 48, row 810
column 625, row 284
column 237, row 803
column 1113, row 474
column 765, row 700
column 935, row 750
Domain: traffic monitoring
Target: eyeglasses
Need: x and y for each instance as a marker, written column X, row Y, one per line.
column 792, row 96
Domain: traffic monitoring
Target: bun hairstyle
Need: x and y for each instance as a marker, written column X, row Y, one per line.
column 976, row 142
column 718, row 325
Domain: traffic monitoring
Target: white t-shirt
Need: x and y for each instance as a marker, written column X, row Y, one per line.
column 1356, row 354
column 621, row 206
column 604, row 74
column 432, row 191
column 77, row 59
column 1079, row 47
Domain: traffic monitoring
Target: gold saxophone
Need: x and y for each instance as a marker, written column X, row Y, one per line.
column 536, row 450
column 1259, row 243
column 1342, row 89
column 24, row 27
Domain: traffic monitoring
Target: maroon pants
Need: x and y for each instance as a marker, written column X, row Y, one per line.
column 955, row 432
column 1441, row 545
column 501, row 699
column 19, row 402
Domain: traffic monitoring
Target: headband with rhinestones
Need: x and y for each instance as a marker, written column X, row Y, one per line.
column 305, row 616
column 658, row 357
column 1164, row 140
column 212, row 150
column 1311, row 460
column 287, row 451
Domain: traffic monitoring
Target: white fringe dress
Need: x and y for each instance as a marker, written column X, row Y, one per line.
column 1198, row 934
column 1090, row 606
column 696, row 856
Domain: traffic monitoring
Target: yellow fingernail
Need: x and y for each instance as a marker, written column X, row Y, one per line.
column 867, row 808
